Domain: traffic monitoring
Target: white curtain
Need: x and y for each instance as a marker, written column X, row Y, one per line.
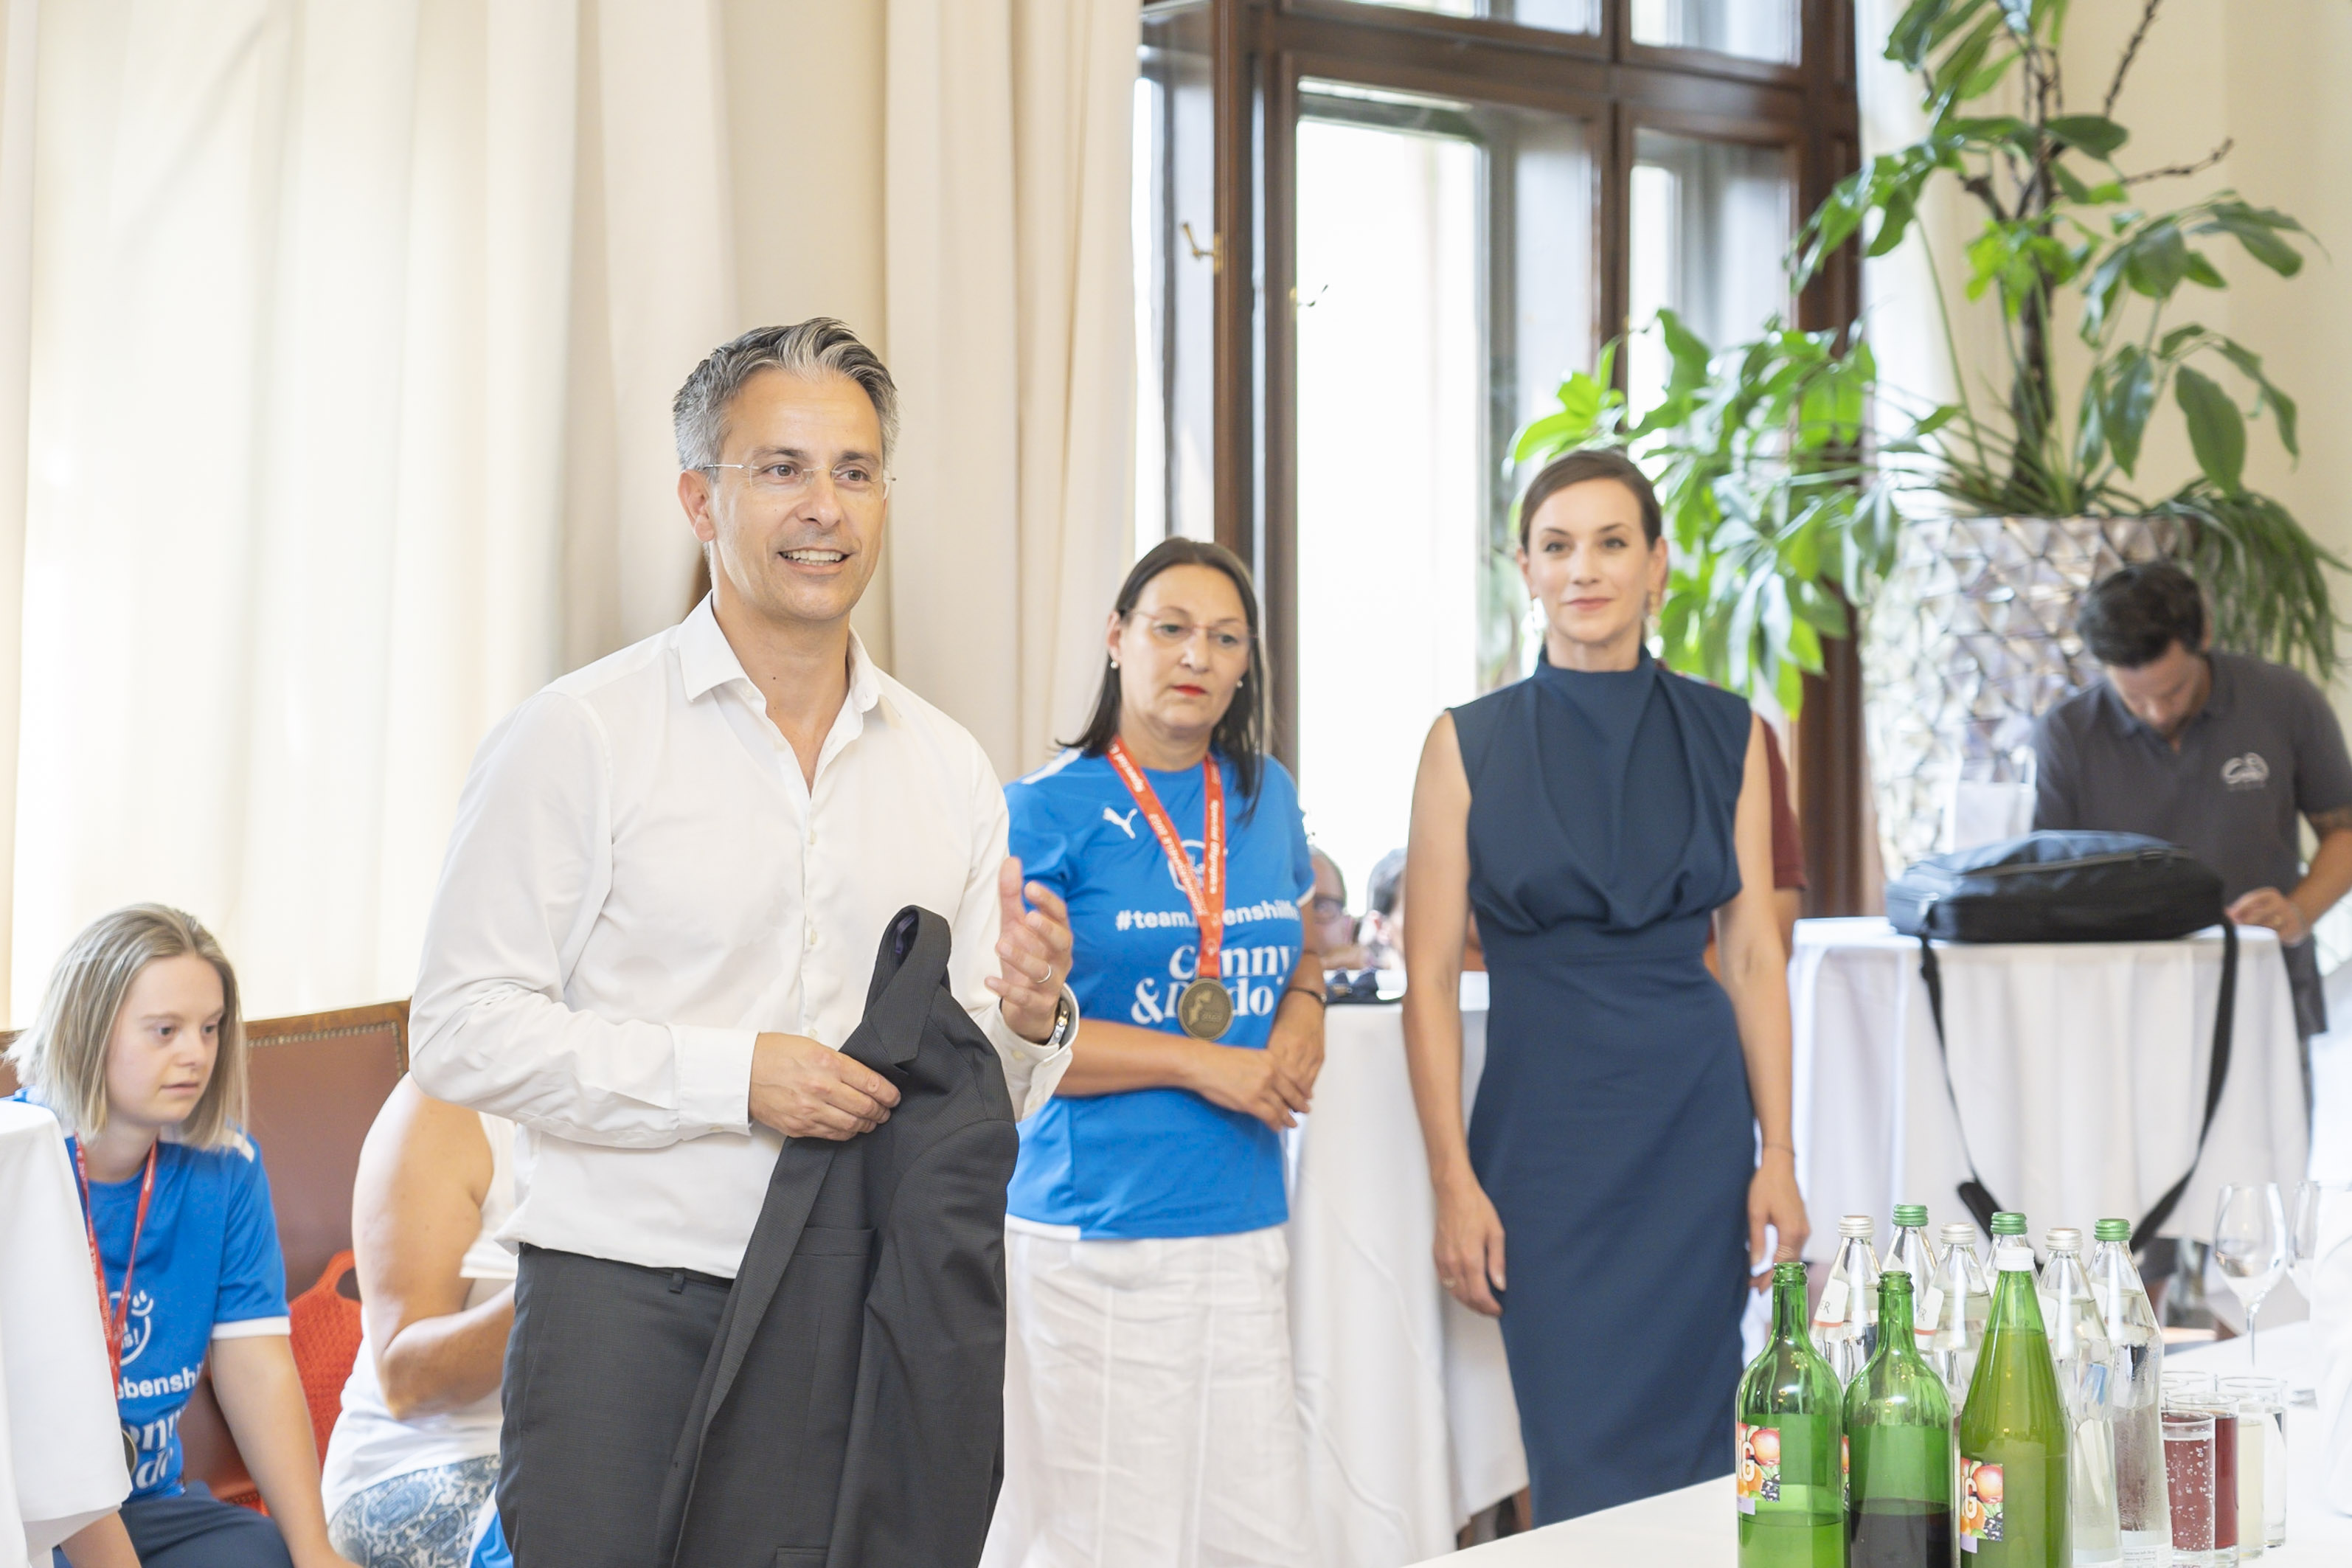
column 1011, row 301
column 349, row 333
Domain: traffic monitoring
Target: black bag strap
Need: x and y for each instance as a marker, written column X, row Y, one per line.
column 1978, row 1197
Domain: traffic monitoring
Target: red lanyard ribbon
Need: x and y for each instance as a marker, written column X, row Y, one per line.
column 116, row 1318
column 1208, row 901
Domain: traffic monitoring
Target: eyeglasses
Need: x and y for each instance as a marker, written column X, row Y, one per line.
column 1326, row 908
column 783, row 480
column 1170, row 633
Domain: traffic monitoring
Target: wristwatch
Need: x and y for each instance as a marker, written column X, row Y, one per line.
column 1066, row 1020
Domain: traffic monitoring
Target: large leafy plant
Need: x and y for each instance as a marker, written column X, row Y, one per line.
column 1783, row 504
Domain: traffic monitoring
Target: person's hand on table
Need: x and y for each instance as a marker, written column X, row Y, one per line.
column 1773, row 1200
column 2268, row 907
column 806, row 1090
column 1296, row 1041
column 1469, row 1249
column 1032, row 953
column 1255, row 1082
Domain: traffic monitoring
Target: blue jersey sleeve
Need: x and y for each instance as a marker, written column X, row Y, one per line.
column 253, row 1271
column 1037, row 837
column 1282, row 795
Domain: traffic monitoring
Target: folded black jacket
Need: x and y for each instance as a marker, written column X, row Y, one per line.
column 852, row 1411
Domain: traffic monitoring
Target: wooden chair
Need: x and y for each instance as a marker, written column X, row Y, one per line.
column 316, row 1083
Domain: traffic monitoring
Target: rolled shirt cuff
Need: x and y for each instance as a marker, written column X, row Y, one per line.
column 714, row 1077
column 253, row 1328
column 1030, row 1070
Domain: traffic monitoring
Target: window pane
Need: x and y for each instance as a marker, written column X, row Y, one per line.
column 1444, row 269
column 1752, row 29
column 1710, row 224
column 1175, row 290
column 1558, row 16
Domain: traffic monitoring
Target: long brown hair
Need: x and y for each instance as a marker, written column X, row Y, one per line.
column 1241, row 735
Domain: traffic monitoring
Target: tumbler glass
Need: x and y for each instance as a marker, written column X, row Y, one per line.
column 2224, row 1413
column 2261, row 1430
column 2188, row 1485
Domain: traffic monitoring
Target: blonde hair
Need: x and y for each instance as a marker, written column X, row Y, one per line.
column 62, row 1058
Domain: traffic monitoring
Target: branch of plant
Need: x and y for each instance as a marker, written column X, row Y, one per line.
column 2182, row 171
column 2131, row 53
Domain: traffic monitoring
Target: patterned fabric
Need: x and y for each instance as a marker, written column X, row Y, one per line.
column 426, row 1519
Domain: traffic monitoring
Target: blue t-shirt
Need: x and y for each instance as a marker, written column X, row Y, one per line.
column 209, row 1258
column 1158, row 1161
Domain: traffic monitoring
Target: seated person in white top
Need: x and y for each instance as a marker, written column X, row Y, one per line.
column 415, row 1452
column 657, row 920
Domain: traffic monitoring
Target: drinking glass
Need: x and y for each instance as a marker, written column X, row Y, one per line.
column 2305, row 1218
column 2188, row 1485
column 2250, row 1244
column 2261, row 1430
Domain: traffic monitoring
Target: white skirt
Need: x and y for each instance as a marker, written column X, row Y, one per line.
column 1150, row 1420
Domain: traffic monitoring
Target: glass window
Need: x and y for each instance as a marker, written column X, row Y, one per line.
column 1174, row 225
column 1751, row 29
column 1444, row 254
column 1709, row 224
column 1557, row 16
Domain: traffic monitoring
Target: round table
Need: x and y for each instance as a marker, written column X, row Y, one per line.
column 2080, row 1070
column 60, row 1442
column 1404, row 1393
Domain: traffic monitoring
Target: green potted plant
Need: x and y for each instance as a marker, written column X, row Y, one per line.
column 1797, row 482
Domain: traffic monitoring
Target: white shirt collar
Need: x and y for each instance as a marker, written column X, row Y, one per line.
column 707, row 660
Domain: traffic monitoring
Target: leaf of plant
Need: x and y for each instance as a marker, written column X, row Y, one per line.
column 2282, row 406
column 2093, row 133
column 2217, row 430
column 2257, row 230
column 2127, row 398
column 2156, row 261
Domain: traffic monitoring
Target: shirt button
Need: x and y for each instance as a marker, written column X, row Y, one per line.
column 811, row 934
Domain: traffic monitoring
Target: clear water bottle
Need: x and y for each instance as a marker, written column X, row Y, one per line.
column 2135, row 1397
column 1954, row 1313
column 2084, row 1362
column 1845, row 1320
column 1915, row 1255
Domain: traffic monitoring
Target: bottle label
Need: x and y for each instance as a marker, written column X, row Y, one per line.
column 1831, row 1313
column 1759, row 1476
column 1980, row 1491
column 1931, row 1308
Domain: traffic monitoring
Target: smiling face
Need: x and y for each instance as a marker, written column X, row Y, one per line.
column 803, row 558
column 1587, row 563
column 1182, row 652
column 165, row 1039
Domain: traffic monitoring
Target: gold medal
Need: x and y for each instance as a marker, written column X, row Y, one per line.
column 1205, row 1008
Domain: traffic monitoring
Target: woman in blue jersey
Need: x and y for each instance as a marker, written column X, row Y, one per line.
column 139, row 1053
column 1150, row 1415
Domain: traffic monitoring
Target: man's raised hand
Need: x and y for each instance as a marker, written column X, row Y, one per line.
column 1033, row 953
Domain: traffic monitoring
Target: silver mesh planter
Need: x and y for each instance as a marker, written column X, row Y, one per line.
column 1971, row 640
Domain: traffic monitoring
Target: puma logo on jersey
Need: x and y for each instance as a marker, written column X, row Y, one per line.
column 1124, row 824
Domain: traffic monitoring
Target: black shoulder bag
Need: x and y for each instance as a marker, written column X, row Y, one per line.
column 2066, row 886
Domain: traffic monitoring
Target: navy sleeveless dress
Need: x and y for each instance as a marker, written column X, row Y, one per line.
column 1612, row 1126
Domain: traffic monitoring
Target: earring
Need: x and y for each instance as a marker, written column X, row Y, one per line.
column 1114, row 661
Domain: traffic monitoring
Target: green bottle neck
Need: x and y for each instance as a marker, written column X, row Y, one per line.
column 1895, row 1319
column 2015, row 1304
column 1792, row 1316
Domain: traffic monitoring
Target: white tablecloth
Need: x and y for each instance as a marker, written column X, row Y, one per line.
column 1696, row 1528
column 2081, row 1070
column 1404, row 1395
column 60, row 1443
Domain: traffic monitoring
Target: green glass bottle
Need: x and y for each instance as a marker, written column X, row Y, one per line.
column 2013, row 1427
column 1898, row 1427
column 1790, row 1475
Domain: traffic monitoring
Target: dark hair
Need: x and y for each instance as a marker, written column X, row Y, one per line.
column 2130, row 617
column 1240, row 736
column 1387, row 881
column 1592, row 463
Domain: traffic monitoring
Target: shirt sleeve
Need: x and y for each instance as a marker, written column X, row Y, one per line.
column 250, row 1301
column 1302, row 854
column 2055, row 805
column 2323, row 773
column 1030, row 1070
column 530, row 861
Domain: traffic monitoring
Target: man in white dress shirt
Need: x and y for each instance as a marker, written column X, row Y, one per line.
column 658, row 922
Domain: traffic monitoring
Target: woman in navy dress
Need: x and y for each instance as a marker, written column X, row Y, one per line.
column 1597, row 817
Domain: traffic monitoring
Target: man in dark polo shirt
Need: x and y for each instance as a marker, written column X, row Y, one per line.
column 2216, row 752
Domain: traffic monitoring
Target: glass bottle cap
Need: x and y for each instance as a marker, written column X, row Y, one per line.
column 2062, row 1238
column 2112, row 1230
column 2006, row 1224
column 1910, row 1214
column 1959, row 1232
column 1859, row 1225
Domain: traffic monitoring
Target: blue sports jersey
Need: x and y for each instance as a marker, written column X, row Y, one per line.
column 209, row 1258
column 1158, row 1161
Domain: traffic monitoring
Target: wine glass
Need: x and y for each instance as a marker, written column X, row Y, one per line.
column 2250, row 1244
column 2312, row 1200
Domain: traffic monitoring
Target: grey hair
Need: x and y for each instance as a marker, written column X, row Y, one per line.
column 62, row 1058
column 817, row 346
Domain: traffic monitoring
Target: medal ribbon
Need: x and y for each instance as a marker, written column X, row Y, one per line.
column 1208, row 902
column 116, row 1319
